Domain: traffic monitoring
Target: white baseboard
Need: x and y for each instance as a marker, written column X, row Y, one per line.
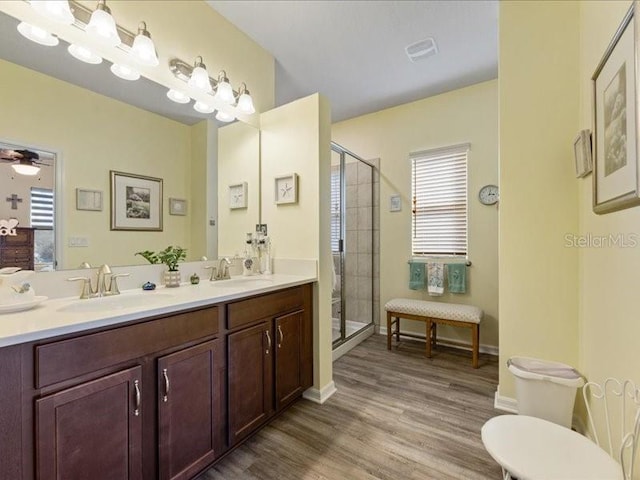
column 506, row 404
column 322, row 395
column 352, row 342
column 450, row 342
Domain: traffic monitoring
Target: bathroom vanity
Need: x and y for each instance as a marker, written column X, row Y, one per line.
column 146, row 393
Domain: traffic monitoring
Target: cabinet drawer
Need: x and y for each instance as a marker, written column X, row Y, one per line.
column 67, row 359
column 23, row 236
column 270, row 305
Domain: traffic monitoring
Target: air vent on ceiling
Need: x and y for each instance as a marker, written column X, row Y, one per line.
column 422, row 49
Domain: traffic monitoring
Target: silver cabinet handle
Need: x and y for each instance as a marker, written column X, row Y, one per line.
column 166, row 385
column 269, row 341
column 138, row 397
column 281, row 337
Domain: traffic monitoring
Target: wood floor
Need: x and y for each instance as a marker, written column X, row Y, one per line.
column 396, row 415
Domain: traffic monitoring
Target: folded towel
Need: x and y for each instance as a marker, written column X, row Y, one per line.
column 416, row 276
column 435, row 278
column 457, row 277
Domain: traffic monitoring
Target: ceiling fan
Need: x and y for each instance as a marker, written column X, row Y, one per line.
column 24, row 162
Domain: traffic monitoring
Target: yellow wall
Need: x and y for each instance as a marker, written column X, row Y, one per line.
column 95, row 134
column 539, row 101
column 466, row 115
column 295, row 138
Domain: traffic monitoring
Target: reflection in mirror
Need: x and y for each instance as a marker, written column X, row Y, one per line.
column 27, row 181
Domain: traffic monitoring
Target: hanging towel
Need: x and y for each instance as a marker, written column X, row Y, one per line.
column 435, row 278
column 457, row 276
column 416, row 276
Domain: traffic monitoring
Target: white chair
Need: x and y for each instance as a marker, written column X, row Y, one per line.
column 529, row 448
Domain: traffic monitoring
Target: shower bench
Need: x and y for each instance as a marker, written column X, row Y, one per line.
column 433, row 313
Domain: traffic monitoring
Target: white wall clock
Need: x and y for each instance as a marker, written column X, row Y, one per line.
column 238, row 195
column 489, row 195
column 286, row 189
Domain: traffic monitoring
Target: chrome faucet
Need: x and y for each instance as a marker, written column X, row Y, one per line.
column 102, row 288
column 221, row 272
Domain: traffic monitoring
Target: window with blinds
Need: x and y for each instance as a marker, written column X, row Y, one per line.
column 41, row 207
column 439, row 193
column 335, row 209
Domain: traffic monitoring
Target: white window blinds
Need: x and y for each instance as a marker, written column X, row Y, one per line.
column 439, row 193
column 41, row 207
column 335, row 209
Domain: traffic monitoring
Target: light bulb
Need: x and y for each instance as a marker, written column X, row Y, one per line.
column 124, row 72
column 37, row 34
column 245, row 103
column 57, row 10
column 177, row 96
column 84, row 54
column 224, row 92
column 143, row 49
column 203, row 107
column 224, row 117
column 102, row 26
column 25, row 168
column 200, row 77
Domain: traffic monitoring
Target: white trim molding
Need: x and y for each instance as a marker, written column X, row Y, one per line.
column 506, row 404
column 322, row 395
column 449, row 342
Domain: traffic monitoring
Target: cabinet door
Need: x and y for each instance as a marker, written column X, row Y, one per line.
column 288, row 357
column 92, row 431
column 188, row 402
column 250, row 390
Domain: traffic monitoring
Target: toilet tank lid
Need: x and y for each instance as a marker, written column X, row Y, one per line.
column 536, row 369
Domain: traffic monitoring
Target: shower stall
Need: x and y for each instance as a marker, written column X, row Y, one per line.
column 354, row 245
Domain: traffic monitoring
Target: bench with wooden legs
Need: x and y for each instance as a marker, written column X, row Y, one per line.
column 433, row 313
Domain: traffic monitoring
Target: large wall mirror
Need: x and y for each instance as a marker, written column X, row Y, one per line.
column 82, row 134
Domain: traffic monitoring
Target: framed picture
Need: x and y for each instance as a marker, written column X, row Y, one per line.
column 177, row 206
column 582, row 153
column 616, row 173
column 136, row 202
column 238, row 195
column 286, row 189
column 88, row 200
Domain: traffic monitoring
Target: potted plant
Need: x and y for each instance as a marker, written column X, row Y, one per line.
column 170, row 256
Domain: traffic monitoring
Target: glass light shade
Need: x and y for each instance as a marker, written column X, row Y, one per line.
column 102, row 27
column 84, row 54
column 144, row 51
column 25, row 169
column 203, row 107
column 57, row 10
column 177, row 96
column 224, row 93
column 245, row 104
column 200, row 79
column 224, row 116
column 124, row 72
column 38, row 35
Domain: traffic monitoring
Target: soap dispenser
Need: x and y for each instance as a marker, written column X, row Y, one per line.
column 247, row 262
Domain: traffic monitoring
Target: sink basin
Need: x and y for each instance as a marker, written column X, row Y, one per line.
column 117, row 302
column 243, row 282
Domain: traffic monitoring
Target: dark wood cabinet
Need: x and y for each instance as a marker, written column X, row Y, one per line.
column 288, row 357
column 188, row 410
column 93, row 430
column 249, row 363
column 17, row 251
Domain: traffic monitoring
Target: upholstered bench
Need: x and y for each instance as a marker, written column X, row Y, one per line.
column 433, row 313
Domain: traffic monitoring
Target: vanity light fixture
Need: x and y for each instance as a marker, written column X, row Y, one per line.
column 224, row 92
column 200, row 77
column 84, row 54
column 124, row 72
column 245, row 102
column 56, row 10
column 25, row 167
column 177, row 96
column 224, row 117
column 143, row 49
column 203, row 107
column 37, row 34
column 102, row 26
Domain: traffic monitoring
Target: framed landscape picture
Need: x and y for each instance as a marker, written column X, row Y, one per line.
column 136, row 202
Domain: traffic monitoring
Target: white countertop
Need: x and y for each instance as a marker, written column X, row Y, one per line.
column 71, row 315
